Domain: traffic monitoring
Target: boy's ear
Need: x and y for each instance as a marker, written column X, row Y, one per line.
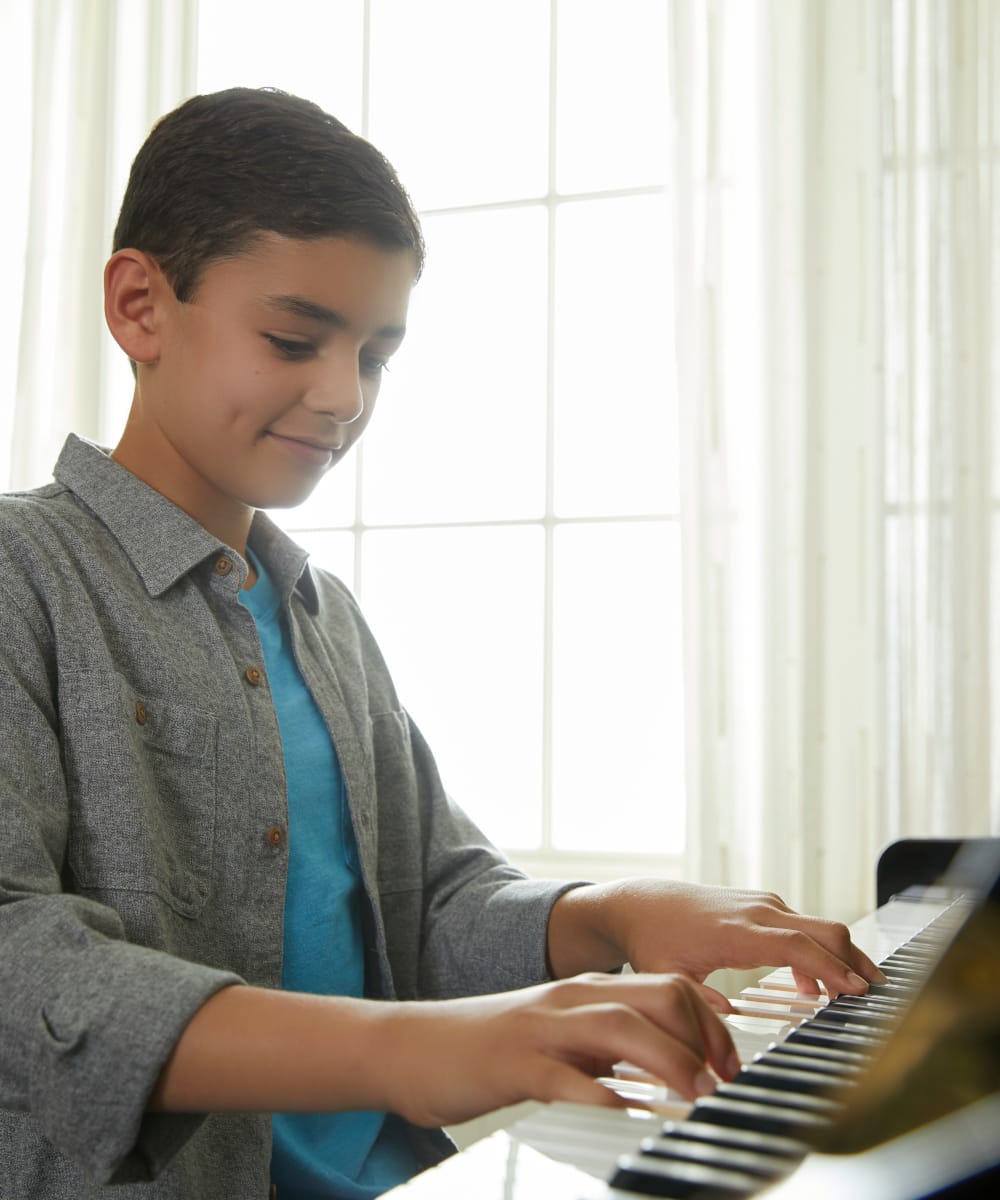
column 133, row 297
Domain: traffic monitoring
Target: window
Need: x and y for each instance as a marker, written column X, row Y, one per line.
column 510, row 521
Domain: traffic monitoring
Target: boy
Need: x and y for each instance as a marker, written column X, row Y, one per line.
column 226, row 846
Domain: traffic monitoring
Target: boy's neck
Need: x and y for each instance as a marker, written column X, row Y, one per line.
column 162, row 469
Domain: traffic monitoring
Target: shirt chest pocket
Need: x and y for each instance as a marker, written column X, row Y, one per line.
column 140, row 772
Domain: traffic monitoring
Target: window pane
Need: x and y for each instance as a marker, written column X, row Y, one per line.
column 616, row 435
column 612, row 97
column 462, row 436
column 458, row 613
column 618, row 724
column 313, row 50
column 459, row 97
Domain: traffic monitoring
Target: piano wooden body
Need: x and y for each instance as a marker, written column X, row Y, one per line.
column 895, row 1096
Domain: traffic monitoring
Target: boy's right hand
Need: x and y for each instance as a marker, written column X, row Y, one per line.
column 250, row 1049
column 449, row 1061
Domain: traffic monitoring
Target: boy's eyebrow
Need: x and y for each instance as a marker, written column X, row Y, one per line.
column 299, row 306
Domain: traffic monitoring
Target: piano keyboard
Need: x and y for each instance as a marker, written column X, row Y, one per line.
column 802, row 1059
column 593, row 1140
column 753, row 1132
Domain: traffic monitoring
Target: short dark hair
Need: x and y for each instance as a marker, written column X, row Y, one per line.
column 223, row 168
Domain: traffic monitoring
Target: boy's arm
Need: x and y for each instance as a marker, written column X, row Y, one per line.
column 439, row 1062
column 660, row 925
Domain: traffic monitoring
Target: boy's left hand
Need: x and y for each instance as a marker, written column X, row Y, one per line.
column 662, row 925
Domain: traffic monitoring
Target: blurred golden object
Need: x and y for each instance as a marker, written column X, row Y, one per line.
column 945, row 1052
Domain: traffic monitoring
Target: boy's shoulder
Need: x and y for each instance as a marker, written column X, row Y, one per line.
column 35, row 509
column 30, row 498
column 53, row 504
column 42, row 529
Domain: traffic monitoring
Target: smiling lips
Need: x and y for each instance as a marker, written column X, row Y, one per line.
column 305, row 449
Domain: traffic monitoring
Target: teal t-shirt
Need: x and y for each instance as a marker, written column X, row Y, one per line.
column 348, row 1155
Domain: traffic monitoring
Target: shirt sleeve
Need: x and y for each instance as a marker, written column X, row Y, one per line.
column 87, row 1019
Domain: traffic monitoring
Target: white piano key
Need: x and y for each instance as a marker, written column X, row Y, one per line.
column 650, row 1094
column 591, row 1139
column 748, row 1008
column 753, row 1035
column 792, row 999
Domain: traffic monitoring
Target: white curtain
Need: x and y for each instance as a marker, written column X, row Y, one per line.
column 835, row 282
column 101, row 73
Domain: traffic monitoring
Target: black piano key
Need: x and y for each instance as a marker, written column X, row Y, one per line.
column 800, row 1049
column 906, row 974
column 890, row 989
column 739, row 1139
column 924, row 952
column 914, row 954
column 887, row 1004
column 933, row 936
column 835, row 1036
column 918, row 968
column 855, row 1014
column 928, row 948
column 898, row 973
column 764, row 1118
column 749, row 1093
column 660, row 1177
column 727, row 1158
column 806, row 1064
column 792, row 1079
column 836, row 1023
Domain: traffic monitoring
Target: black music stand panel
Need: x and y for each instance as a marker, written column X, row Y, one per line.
column 923, row 862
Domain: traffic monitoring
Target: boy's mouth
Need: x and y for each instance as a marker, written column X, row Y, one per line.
column 304, row 448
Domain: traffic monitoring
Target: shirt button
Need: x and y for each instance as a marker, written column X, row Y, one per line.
column 140, row 712
column 254, row 676
column 223, row 565
column 275, row 835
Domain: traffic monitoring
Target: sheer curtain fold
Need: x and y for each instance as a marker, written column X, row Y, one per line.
column 837, row 384
column 942, row 140
column 102, row 73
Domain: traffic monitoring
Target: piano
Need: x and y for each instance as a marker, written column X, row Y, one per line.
column 891, row 1096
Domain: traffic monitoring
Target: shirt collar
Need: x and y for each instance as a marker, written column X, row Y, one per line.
column 286, row 563
column 160, row 540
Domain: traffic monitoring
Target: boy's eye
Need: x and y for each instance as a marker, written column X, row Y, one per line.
column 373, row 365
column 288, row 348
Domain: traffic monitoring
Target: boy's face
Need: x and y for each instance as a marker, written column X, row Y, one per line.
column 267, row 377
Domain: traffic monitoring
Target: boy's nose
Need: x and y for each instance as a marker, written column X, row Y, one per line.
column 338, row 394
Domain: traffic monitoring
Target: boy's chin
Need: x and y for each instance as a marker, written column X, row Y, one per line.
column 284, row 502
column 288, row 496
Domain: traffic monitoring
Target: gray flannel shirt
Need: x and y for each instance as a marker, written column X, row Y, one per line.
column 144, row 819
